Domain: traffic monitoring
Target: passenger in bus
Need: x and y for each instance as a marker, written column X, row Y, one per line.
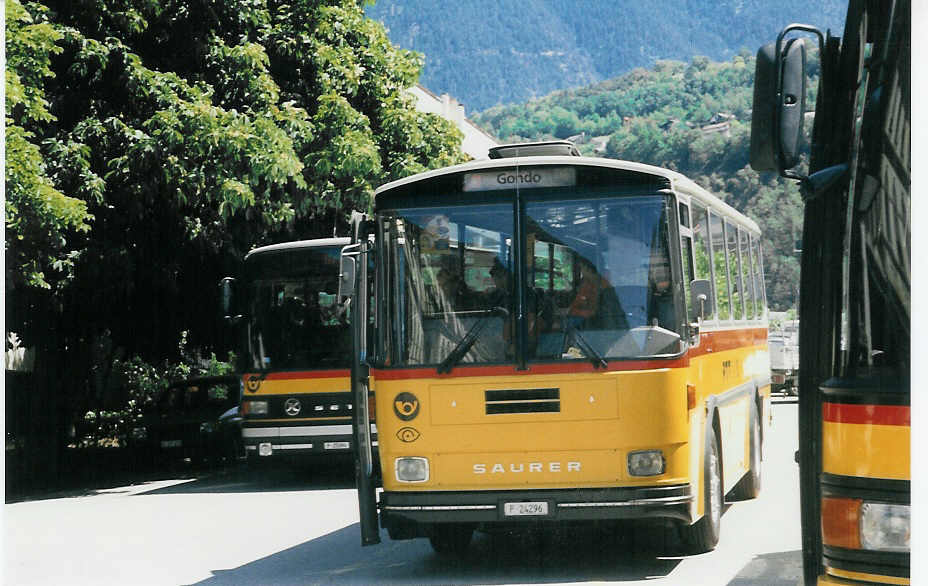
column 660, row 306
column 538, row 311
column 453, row 293
column 585, row 303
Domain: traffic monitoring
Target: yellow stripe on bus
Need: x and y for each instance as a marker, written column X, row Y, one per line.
column 301, row 386
column 837, row 575
column 869, row 451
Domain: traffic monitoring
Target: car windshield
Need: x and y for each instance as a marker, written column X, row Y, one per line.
column 598, row 283
column 200, row 394
column 294, row 322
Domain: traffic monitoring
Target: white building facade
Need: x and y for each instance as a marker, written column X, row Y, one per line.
column 476, row 143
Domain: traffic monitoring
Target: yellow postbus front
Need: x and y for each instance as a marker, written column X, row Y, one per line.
column 296, row 348
column 538, row 355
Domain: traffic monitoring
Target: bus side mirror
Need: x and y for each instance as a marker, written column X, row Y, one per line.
column 226, row 287
column 779, row 106
column 701, row 297
column 348, row 266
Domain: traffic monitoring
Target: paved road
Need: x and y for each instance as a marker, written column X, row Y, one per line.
column 300, row 527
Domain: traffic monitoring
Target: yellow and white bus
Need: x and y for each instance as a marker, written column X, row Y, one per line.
column 294, row 353
column 558, row 339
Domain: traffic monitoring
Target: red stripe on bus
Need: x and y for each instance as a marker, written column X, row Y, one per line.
column 867, row 414
column 709, row 342
column 533, row 369
column 301, row 374
column 720, row 341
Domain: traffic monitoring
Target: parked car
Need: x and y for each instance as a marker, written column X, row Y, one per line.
column 784, row 363
column 196, row 419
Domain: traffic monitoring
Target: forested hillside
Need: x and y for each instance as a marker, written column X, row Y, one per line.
column 489, row 52
column 692, row 117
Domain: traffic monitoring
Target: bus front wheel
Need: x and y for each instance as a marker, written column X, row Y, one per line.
column 703, row 535
column 450, row 538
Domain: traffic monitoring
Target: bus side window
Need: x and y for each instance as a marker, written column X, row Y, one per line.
column 744, row 260
column 758, row 269
column 720, row 266
column 702, row 265
column 734, row 271
column 686, row 257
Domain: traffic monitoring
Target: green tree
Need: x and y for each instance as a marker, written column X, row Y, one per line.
column 41, row 221
column 154, row 143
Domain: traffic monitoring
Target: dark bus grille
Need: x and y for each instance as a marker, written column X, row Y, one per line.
column 523, row 401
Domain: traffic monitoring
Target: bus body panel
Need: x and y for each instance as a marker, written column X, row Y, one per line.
column 866, row 450
column 322, row 425
column 602, row 417
column 493, row 380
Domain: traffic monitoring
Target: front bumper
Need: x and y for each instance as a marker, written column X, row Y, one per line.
column 305, row 440
column 582, row 504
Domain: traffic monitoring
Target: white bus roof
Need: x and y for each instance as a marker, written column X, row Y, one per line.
column 298, row 244
column 679, row 182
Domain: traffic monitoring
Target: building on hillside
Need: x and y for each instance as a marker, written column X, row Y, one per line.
column 476, row 143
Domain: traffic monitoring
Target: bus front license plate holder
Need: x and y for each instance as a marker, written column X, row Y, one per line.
column 526, row 509
column 337, row 445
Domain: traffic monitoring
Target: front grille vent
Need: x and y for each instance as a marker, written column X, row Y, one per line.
column 523, row 401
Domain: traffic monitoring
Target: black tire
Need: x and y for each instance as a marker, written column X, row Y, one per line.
column 402, row 532
column 749, row 486
column 451, row 538
column 703, row 535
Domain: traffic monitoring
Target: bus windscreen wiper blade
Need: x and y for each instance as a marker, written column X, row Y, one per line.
column 468, row 340
column 587, row 349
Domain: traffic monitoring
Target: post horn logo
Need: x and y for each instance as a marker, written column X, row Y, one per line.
column 407, row 434
column 406, row 406
column 253, row 382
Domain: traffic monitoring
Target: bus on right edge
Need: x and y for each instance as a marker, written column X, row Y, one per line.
column 855, row 293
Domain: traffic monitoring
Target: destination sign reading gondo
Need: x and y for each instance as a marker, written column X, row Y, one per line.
column 523, row 178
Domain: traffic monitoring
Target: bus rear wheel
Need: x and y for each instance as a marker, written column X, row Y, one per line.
column 703, row 535
column 450, row 538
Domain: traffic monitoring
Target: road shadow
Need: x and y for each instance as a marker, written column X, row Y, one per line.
column 554, row 555
column 285, row 476
column 783, row 568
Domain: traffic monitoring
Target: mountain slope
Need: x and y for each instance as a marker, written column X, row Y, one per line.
column 488, row 52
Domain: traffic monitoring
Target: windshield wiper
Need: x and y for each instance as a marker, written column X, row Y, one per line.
column 588, row 350
column 464, row 346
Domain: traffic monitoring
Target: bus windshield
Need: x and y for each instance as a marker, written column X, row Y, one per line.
column 294, row 322
column 597, row 282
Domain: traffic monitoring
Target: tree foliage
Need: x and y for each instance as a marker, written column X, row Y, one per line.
column 40, row 219
column 151, row 143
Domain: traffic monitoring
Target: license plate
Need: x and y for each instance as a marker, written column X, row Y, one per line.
column 336, row 445
column 171, row 443
column 525, row 509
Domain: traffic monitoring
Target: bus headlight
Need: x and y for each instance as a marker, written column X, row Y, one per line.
column 412, row 469
column 855, row 524
column 254, row 407
column 646, row 463
column 885, row 527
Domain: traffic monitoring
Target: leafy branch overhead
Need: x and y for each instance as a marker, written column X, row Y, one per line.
column 151, row 143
